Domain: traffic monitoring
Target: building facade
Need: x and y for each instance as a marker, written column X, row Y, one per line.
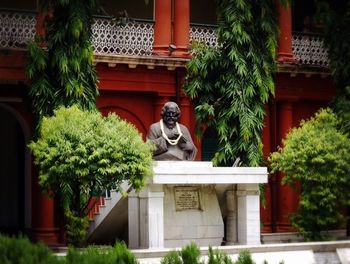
column 140, row 65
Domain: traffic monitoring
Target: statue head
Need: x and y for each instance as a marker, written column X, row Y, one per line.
column 170, row 114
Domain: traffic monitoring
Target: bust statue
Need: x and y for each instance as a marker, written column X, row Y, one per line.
column 171, row 139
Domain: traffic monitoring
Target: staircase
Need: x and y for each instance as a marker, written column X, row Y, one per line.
column 108, row 217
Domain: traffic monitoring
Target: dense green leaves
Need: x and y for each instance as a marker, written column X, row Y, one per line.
column 80, row 153
column 60, row 66
column 316, row 155
column 230, row 84
column 335, row 18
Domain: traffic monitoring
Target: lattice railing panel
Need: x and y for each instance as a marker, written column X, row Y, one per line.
column 134, row 38
column 205, row 34
column 308, row 49
column 16, row 29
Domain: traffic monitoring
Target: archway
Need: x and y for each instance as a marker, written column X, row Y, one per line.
column 13, row 174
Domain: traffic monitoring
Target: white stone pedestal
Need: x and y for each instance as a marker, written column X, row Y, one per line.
column 180, row 205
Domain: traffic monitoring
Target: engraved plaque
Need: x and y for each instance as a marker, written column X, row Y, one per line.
column 187, row 198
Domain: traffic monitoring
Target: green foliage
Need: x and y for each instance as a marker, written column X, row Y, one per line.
column 316, row 155
column 80, row 153
column 217, row 257
column 244, row 257
column 335, row 17
column 190, row 254
column 60, row 66
column 123, row 254
column 94, row 255
column 230, row 84
column 76, row 227
column 22, row 251
column 173, row 257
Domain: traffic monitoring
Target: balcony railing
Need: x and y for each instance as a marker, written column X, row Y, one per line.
column 308, row 49
column 204, row 33
column 135, row 38
column 16, row 29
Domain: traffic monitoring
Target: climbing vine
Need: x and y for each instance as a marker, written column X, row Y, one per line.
column 60, row 66
column 229, row 84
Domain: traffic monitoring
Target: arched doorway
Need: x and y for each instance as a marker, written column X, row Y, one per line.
column 13, row 191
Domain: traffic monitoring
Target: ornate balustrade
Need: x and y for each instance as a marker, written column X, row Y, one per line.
column 16, row 29
column 135, row 38
column 308, row 49
column 204, row 33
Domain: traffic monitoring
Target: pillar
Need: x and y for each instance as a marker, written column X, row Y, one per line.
column 248, row 214
column 181, row 27
column 162, row 27
column 287, row 199
column 43, row 227
column 185, row 105
column 43, row 220
column 151, row 228
column 133, row 220
column 266, row 139
column 231, row 218
column 285, row 52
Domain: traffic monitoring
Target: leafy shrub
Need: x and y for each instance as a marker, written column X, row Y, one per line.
column 244, row 257
column 22, row 251
column 119, row 254
column 76, row 228
column 173, row 257
column 217, row 257
column 190, row 254
column 80, row 153
column 316, row 155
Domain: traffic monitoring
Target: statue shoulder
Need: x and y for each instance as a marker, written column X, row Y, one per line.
column 183, row 128
column 155, row 126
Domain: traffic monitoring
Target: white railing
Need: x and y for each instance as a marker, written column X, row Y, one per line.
column 204, row 33
column 308, row 49
column 16, row 29
column 133, row 38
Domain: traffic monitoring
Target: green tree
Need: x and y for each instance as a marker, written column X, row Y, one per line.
column 60, row 65
column 81, row 153
column 230, row 84
column 335, row 18
column 316, row 155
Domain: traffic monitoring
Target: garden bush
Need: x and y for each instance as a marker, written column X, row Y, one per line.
column 22, row 251
column 81, row 153
column 119, row 254
column 316, row 162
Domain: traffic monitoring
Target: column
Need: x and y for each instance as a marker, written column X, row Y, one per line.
column 286, row 197
column 248, row 214
column 185, row 112
column 231, row 218
column 285, row 52
column 162, row 27
column 43, row 214
column 266, row 139
column 181, row 27
column 152, row 217
column 133, row 220
column 43, row 222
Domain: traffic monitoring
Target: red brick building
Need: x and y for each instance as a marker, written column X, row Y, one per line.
column 140, row 66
